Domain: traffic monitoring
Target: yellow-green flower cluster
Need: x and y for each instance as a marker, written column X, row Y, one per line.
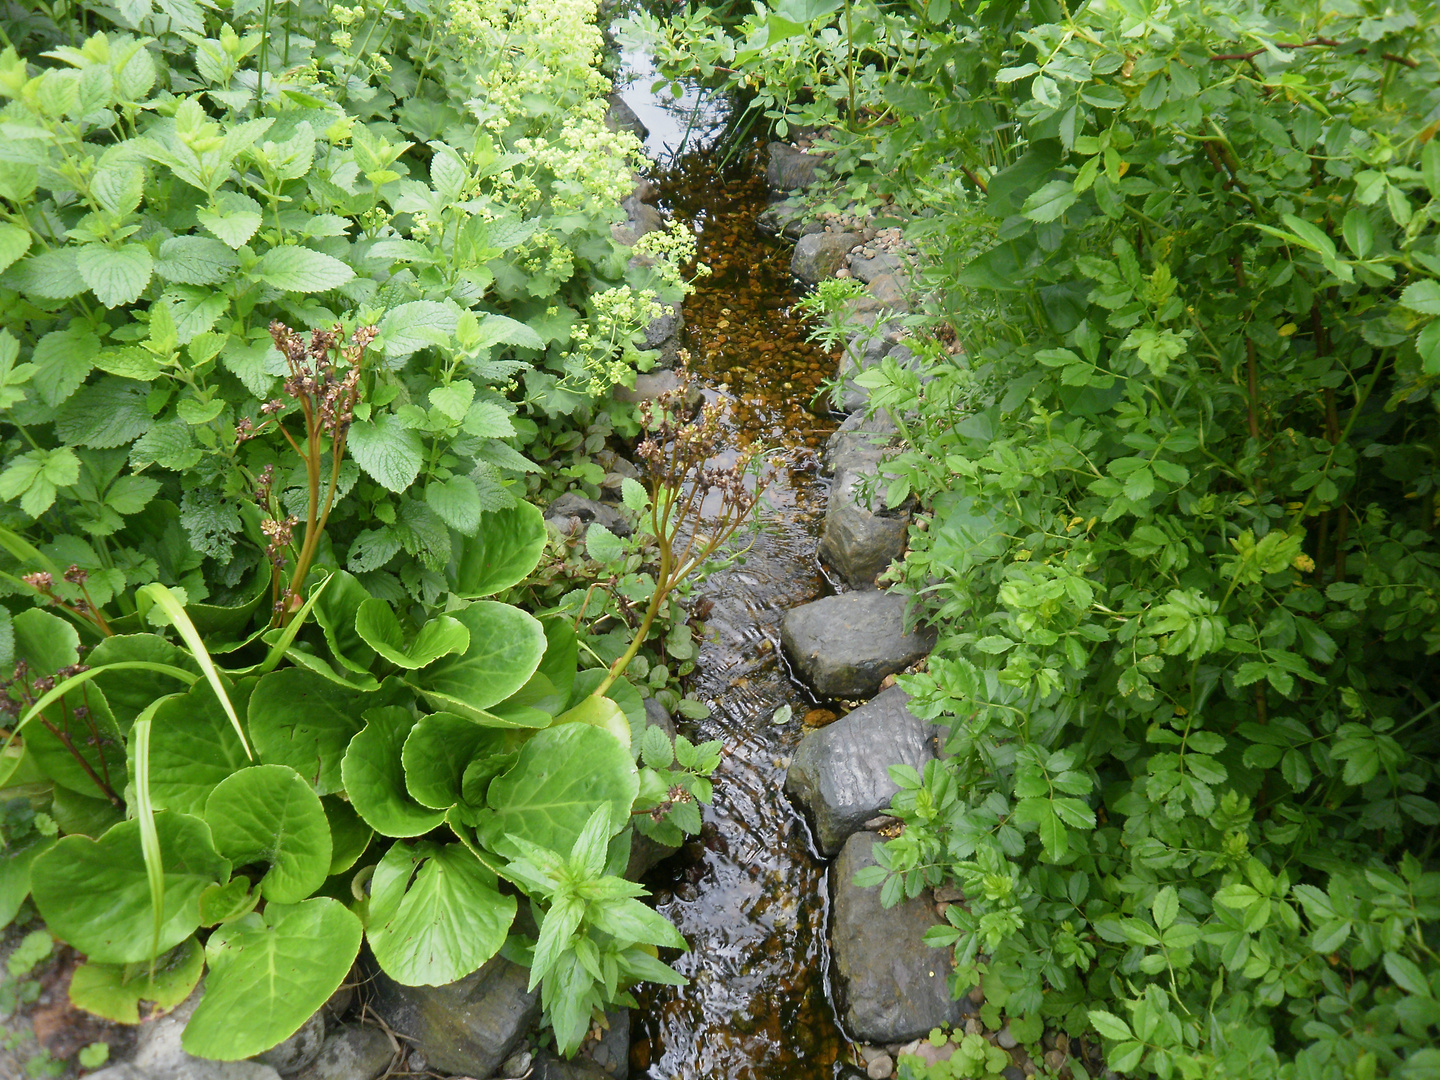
column 603, row 352
column 671, row 249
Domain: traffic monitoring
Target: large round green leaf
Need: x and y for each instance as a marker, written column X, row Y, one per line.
column 435, row 914
column 349, row 835
column 506, row 646
column 437, row 752
column 602, row 713
column 620, row 692
column 193, row 747
column 15, row 874
column 95, row 894
column 303, row 720
column 335, row 612
column 269, row 974
column 130, row 690
column 115, row 991
column 561, row 776
column 78, row 718
column 502, row 552
column 270, row 814
column 375, row 776
column 375, row 621
column 44, row 641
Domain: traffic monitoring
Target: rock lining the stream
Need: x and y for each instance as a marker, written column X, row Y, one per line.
column 467, row 1027
column 844, row 646
column 788, row 168
column 818, row 255
column 890, row 986
column 572, row 513
column 840, row 772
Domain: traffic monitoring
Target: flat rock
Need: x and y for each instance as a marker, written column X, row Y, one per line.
column 650, row 385
column 468, row 1027
column 889, row 985
column 619, row 116
column 858, row 443
column 867, row 270
column 549, row 1067
column 788, row 217
column 159, row 1055
column 612, row 1052
column 572, row 512
column 787, row 168
column 840, row 772
column 294, row 1055
column 354, row 1052
column 844, row 646
column 818, row 255
column 860, row 537
column 887, row 289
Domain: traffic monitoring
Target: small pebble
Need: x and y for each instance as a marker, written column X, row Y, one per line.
column 1055, row 1060
column 880, row 1067
column 1007, row 1040
column 977, row 995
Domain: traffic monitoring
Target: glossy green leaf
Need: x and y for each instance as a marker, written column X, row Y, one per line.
column 335, row 611
column 560, row 777
column 300, row 719
column 193, row 747
column 376, row 623
column 275, row 970
column 435, row 914
column 115, row 991
column 95, row 894
column 271, row 814
column 505, row 648
column 437, row 752
column 602, row 713
column 374, row 776
column 504, row 550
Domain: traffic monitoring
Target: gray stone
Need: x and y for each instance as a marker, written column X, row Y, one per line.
column 612, row 1052
column 572, row 512
column 1006, row 1039
column 124, row 1071
column 159, row 1055
column 787, row 168
column 353, row 1052
column 886, row 288
column 840, row 772
column 858, row 444
column 788, row 217
column 890, row 986
column 296, row 1053
column 467, row 1027
column 860, row 537
column 819, row 255
column 844, row 646
column 666, row 326
column 620, row 117
column 873, row 340
column 656, row 715
column 517, row 1064
column 880, row 1067
column 640, row 218
column 867, row 270
column 651, row 384
column 550, row 1067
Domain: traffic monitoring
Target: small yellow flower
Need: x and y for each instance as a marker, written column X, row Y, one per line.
column 1304, row 563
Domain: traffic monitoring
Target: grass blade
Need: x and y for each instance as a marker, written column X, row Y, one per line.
column 166, row 602
column 145, row 813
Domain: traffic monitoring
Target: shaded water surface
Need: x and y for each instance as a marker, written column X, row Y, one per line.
column 750, row 895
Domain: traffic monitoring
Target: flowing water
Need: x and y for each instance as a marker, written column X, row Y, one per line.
column 750, row 894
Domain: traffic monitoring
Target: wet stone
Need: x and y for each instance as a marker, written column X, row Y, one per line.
column 859, row 443
column 294, row 1055
column 612, row 1052
column 843, row 646
column 572, row 512
column 787, row 168
column 787, row 218
column 640, row 218
column 860, row 537
column 468, row 1027
column 620, row 117
column 651, row 384
column 819, row 255
column 869, row 269
column 159, row 1055
column 840, row 774
column 353, row 1052
column 890, row 985
column 549, row 1067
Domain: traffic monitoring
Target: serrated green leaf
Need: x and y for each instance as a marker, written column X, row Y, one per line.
column 1050, row 201
column 299, row 269
column 457, row 502
column 390, row 453
column 118, row 275
column 14, row 242
column 1422, row 296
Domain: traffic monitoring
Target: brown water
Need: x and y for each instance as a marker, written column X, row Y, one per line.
column 750, row 895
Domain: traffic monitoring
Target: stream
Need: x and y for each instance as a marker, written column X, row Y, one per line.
column 750, row 894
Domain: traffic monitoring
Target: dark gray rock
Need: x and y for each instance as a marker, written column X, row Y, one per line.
column 353, row 1052
column 468, row 1027
column 840, row 772
column 665, row 327
column 656, row 715
column 860, row 537
column 572, row 512
column 550, row 1067
column 819, row 255
column 620, row 117
column 886, row 288
column 890, row 986
column 651, row 384
column 858, row 444
column 612, row 1052
column 788, row 217
column 294, row 1055
column 159, row 1055
column 843, row 646
column 640, row 218
column 787, row 168
column 867, row 270
column 873, row 343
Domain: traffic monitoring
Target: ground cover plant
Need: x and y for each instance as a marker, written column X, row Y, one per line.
column 1179, row 487
column 295, row 300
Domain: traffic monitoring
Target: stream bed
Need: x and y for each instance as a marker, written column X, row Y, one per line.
column 750, row 894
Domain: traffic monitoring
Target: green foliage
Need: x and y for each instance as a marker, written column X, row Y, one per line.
column 1179, row 484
